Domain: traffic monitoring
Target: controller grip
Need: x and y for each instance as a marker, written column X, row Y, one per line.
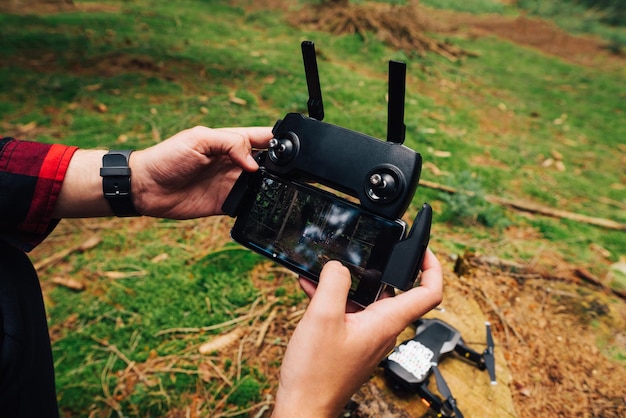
column 407, row 255
column 240, row 189
column 233, row 201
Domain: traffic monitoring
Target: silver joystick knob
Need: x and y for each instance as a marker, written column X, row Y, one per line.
column 382, row 186
column 376, row 180
column 277, row 146
column 281, row 150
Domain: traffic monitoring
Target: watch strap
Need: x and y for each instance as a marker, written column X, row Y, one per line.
column 116, row 184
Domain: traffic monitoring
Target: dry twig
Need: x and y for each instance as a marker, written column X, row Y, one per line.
column 191, row 330
column 533, row 207
column 57, row 257
column 264, row 327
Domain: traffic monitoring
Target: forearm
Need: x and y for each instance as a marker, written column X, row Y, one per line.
column 81, row 193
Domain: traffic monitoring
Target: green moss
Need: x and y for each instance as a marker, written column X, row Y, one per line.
column 248, row 391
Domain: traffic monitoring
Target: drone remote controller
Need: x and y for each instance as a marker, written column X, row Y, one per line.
column 382, row 175
column 281, row 216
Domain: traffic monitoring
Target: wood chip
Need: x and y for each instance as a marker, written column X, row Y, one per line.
column 116, row 275
column 69, row 283
column 221, row 342
column 237, row 100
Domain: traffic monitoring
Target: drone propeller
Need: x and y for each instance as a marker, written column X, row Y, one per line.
column 490, row 362
column 445, row 391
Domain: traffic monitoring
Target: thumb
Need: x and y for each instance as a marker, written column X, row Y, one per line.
column 331, row 295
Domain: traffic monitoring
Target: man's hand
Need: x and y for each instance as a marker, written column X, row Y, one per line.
column 186, row 176
column 332, row 352
column 190, row 174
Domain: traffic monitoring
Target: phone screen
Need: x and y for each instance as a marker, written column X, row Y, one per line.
column 303, row 227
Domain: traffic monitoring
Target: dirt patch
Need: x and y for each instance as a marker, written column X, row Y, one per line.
column 38, row 7
column 42, row 7
column 559, row 337
column 403, row 27
column 539, row 34
column 408, row 28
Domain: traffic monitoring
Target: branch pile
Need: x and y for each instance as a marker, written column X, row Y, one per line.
column 402, row 27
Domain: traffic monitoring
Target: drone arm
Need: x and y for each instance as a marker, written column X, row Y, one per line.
column 449, row 407
column 471, row 355
column 430, row 399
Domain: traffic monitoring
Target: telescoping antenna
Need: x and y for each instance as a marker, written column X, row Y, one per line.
column 315, row 104
column 395, row 108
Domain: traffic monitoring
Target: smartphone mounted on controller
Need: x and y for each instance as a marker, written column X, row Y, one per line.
column 324, row 192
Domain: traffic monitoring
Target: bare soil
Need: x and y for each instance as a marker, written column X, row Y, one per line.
column 410, row 28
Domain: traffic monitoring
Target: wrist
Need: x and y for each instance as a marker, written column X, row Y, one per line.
column 117, row 182
column 290, row 403
column 143, row 201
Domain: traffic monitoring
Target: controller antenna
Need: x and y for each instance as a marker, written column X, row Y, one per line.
column 315, row 104
column 395, row 108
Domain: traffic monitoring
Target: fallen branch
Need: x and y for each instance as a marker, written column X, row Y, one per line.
column 521, row 272
column 591, row 278
column 533, row 208
column 55, row 258
column 221, row 342
column 69, row 283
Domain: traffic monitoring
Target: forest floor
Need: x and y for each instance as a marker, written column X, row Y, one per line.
column 560, row 339
column 558, row 334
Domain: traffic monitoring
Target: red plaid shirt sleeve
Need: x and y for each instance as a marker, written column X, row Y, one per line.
column 31, row 175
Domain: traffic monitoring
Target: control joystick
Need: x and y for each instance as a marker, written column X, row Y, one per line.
column 384, row 185
column 283, row 149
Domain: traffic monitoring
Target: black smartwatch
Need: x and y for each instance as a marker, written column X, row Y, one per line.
column 115, row 174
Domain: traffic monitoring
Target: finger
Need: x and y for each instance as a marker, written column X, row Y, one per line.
column 331, row 294
column 257, row 136
column 409, row 306
column 416, row 302
column 242, row 140
column 432, row 273
column 310, row 287
column 307, row 286
column 237, row 143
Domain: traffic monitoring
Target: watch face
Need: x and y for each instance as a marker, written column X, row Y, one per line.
column 414, row 357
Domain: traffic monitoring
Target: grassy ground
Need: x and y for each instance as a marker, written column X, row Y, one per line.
column 132, row 73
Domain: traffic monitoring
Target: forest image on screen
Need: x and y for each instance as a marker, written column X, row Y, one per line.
column 306, row 228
